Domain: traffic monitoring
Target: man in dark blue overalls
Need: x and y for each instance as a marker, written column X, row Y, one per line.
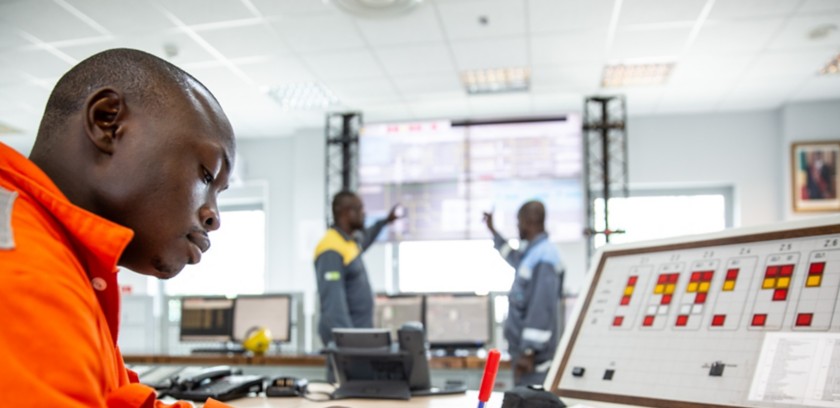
column 531, row 326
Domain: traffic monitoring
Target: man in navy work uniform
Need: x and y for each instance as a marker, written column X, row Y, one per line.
column 345, row 293
column 531, row 326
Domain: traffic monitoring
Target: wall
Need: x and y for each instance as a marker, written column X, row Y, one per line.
column 739, row 149
column 813, row 121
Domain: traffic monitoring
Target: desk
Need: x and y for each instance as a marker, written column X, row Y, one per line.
column 303, row 360
column 468, row 400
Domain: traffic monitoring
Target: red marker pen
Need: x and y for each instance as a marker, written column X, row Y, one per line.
column 491, row 367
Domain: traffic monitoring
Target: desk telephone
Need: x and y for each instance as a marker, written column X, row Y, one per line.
column 221, row 382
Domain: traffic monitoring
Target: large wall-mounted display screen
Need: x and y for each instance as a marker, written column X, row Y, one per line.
column 446, row 175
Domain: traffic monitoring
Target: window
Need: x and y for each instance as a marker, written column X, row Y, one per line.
column 236, row 262
column 647, row 215
column 452, row 266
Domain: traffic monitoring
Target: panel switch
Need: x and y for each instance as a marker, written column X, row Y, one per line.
column 578, row 371
column 717, row 369
column 608, row 375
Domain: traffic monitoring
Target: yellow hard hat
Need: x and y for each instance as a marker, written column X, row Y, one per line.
column 257, row 340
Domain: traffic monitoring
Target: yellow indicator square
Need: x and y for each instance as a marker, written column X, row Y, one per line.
column 729, row 285
column 692, row 287
column 783, row 283
column 704, row 287
column 814, row 280
column 628, row 291
column 659, row 289
column 769, row 283
column 669, row 289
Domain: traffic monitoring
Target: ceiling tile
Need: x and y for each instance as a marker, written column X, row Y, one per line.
column 744, row 37
column 451, row 108
column 500, row 53
column 275, row 71
column 419, row 26
column 573, row 46
column 638, row 12
column 556, row 103
column 799, row 64
column 741, row 9
column 45, row 20
column 312, row 33
column 507, row 105
column 461, row 20
column 10, row 38
column 554, row 15
column 187, row 50
column 819, row 87
column 416, row 59
column 647, row 44
column 794, row 35
column 286, row 7
column 363, row 90
column 122, row 17
column 639, row 100
column 387, row 113
column 583, row 78
column 344, row 65
column 36, row 63
column 811, row 6
column 704, row 70
column 245, row 41
column 192, row 12
column 413, row 86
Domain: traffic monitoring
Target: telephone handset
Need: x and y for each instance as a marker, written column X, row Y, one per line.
column 221, row 382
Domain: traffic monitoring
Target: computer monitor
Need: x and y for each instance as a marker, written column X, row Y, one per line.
column 272, row 311
column 391, row 312
column 457, row 320
column 206, row 318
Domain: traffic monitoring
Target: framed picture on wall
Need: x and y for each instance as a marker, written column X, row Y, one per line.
column 814, row 177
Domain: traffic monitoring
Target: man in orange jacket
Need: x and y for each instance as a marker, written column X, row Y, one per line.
column 126, row 168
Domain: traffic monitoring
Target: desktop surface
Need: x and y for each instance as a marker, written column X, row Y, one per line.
column 470, row 399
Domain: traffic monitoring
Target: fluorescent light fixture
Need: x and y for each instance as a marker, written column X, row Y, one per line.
column 833, row 66
column 303, row 96
column 482, row 81
column 8, row 129
column 617, row 75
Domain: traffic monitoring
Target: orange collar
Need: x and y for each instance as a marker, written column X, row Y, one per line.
column 100, row 241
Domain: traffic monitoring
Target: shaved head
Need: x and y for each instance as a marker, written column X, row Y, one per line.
column 138, row 141
column 531, row 219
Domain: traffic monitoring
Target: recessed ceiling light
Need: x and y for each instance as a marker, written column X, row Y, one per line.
column 833, row 66
column 496, row 80
column 617, row 75
column 375, row 8
column 303, row 96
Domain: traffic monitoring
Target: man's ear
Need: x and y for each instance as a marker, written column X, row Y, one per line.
column 104, row 112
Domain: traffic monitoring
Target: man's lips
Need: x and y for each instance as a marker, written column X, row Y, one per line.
column 200, row 243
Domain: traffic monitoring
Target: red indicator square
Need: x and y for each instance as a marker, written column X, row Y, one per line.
column 618, row 320
column 772, row 271
column 718, row 320
column 672, row 278
column 759, row 319
column 696, row 276
column 632, row 281
column 666, row 299
column 707, row 276
column 662, row 279
column 787, row 270
column 732, row 274
column 648, row 321
column 700, row 298
column 804, row 319
column 625, row 300
column 682, row 320
column 816, row 268
column 779, row 294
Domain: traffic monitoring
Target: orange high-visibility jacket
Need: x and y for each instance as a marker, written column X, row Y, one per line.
column 59, row 299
